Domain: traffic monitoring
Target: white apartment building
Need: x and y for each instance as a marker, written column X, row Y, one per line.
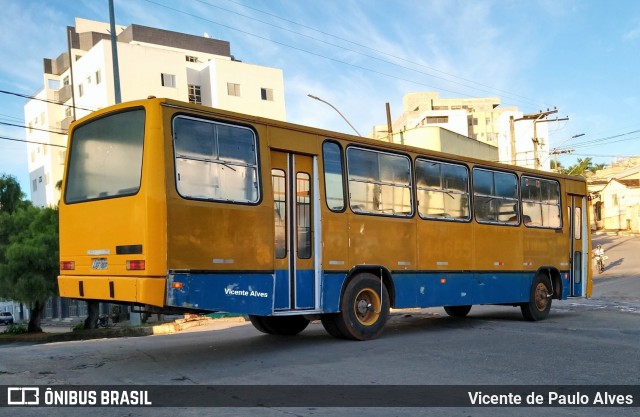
column 475, row 121
column 152, row 62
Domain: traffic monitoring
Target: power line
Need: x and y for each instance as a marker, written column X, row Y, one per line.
column 33, row 128
column 513, row 96
column 605, row 140
column 304, row 50
column 29, row 141
column 60, row 103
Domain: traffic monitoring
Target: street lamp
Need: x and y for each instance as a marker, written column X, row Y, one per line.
column 334, row 108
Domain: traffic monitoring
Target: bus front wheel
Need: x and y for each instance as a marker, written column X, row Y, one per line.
column 539, row 304
column 281, row 325
column 364, row 309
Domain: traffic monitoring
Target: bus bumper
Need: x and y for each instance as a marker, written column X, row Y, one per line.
column 138, row 290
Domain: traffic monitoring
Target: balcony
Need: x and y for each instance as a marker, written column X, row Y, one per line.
column 63, row 94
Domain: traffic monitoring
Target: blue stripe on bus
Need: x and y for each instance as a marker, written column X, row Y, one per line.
column 232, row 293
column 282, row 297
column 305, row 291
column 254, row 293
column 445, row 289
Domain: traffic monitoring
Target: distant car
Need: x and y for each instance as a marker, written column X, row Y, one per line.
column 6, row 318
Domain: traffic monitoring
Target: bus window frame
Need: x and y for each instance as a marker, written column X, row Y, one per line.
column 411, row 181
column 469, row 219
column 72, row 145
column 559, row 202
column 345, row 199
column 232, row 123
column 518, row 200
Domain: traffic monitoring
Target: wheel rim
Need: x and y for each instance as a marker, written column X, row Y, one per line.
column 542, row 299
column 367, row 307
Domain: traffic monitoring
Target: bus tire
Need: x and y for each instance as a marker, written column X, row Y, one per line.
column 280, row 325
column 539, row 304
column 364, row 308
column 457, row 311
column 329, row 324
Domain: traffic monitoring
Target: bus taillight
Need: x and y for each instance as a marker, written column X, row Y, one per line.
column 135, row 265
column 67, row 265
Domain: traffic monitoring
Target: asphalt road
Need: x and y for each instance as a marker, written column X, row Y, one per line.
column 593, row 342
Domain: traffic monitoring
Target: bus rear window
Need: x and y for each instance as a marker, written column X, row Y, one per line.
column 106, row 157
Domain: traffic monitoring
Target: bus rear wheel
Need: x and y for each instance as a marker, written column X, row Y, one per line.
column 539, row 304
column 457, row 311
column 364, row 310
column 280, row 325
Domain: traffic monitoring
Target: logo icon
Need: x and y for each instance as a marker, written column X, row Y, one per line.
column 23, row 396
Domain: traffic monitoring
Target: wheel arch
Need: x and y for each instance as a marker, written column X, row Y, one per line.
column 554, row 276
column 376, row 270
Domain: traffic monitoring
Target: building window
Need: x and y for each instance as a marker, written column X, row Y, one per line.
column 195, row 96
column 89, row 80
column 34, row 185
column 190, row 58
column 266, row 94
column 65, row 80
column 67, row 111
column 80, row 90
column 98, row 77
column 168, row 80
column 437, row 119
column 233, row 89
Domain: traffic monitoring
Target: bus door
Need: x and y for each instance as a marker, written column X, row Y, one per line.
column 579, row 245
column 295, row 213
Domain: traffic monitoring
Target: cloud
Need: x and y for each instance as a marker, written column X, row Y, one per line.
column 632, row 35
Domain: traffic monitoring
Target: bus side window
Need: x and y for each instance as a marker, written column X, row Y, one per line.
column 541, row 202
column 280, row 212
column 333, row 176
column 495, row 196
column 443, row 190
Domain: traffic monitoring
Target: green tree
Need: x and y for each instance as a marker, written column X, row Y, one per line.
column 28, row 254
column 10, row 194
column 581, row 167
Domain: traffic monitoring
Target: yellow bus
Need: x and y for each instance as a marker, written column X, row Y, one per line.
column 175, row 207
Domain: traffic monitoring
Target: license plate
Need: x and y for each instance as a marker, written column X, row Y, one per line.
column 99, row 263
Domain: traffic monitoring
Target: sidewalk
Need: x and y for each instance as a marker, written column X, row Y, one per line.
column 62, row 330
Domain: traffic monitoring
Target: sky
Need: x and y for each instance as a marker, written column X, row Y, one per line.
column 580, row 56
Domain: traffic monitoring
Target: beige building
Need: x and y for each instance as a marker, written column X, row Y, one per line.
column 152, row 62
column 443, row 140
column 615, row 197
column 476, row 121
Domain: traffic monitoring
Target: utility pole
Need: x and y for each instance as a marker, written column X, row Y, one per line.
column 537, row 118
column 114, row 53
column 73, row 86
column 512, row 129
column 557, row 152
column 389, row 124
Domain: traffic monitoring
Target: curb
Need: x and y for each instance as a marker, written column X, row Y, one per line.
column 189, row 322
column 116, row 332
